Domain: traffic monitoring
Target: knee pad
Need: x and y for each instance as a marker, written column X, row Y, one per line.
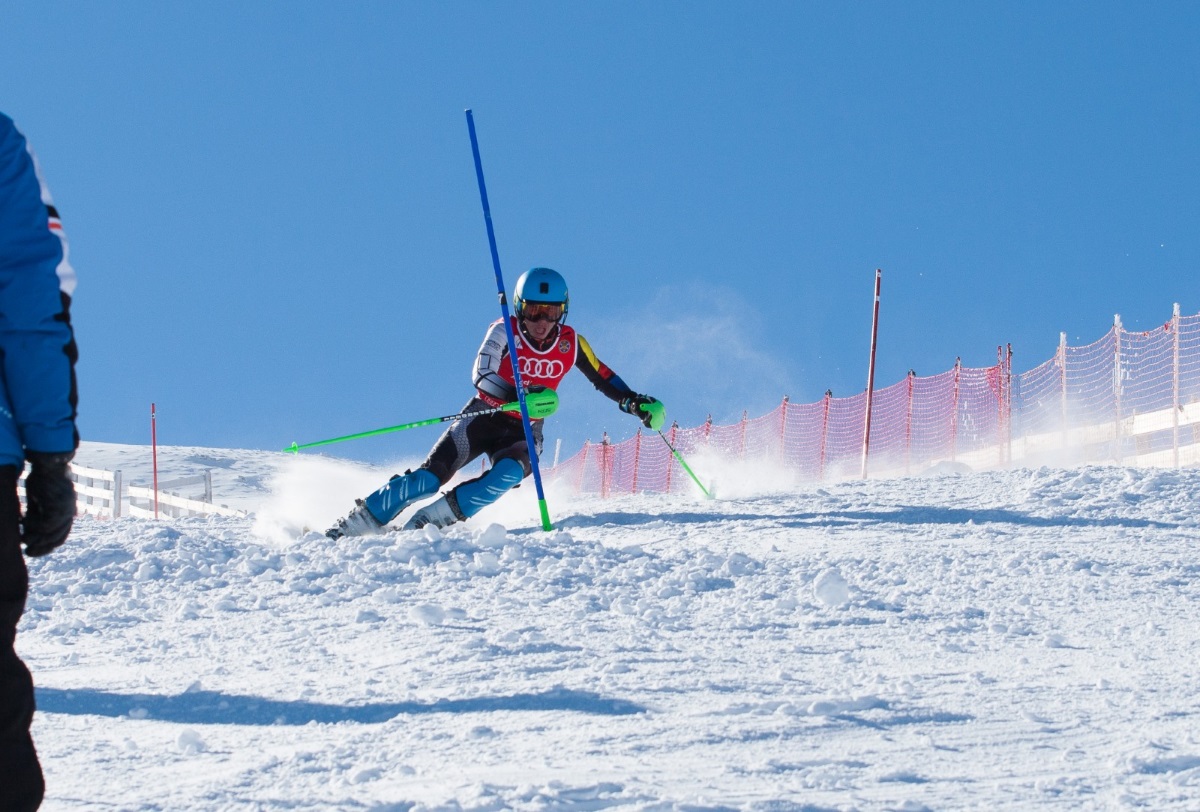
column 477, row 494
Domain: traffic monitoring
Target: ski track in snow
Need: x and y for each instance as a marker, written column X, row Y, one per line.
column 1003, row 640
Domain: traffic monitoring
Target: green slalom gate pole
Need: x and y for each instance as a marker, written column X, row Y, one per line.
column 508, row 329
column 686, row 467
column 540, row 404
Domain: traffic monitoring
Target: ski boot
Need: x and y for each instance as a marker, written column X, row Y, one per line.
column 359, row 522
column 439, row 513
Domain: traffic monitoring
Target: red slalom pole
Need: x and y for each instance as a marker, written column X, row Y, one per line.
column 154, row 456
column 871, row 374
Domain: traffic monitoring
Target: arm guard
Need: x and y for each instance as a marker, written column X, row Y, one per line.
column 486, row 376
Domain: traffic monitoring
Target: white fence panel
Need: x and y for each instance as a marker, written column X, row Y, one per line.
column 175, row 504
column 103, row 493
column 141, row 504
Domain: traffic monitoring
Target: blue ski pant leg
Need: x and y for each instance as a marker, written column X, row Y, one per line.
column 454, row 449
column 401, row 491
column 500, row 436
column 476, row 494
column 503, row 440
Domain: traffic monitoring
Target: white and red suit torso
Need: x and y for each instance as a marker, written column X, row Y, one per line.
column 540, row 366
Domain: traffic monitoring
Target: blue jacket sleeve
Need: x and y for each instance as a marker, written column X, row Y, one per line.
column 37, row 346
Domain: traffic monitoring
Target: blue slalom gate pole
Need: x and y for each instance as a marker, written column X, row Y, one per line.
column 508, row 330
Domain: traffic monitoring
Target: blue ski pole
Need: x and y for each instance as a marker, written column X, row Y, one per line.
column 508, row 330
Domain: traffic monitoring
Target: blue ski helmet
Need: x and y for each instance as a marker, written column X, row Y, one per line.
column 539, row 285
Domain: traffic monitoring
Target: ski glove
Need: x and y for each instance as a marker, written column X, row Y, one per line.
column 49, row 502
column 647, row 409
column 541, row 402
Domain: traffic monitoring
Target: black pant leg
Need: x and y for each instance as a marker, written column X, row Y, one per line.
column 466, row 439
column 510, row 443
column 21, row 782
column 498, row 435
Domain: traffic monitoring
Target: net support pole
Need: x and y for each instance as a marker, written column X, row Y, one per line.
column 871, row 375
column 670, row 454
column 1117, row 388
column 954, row 410
column 508, row 330
column 783, row 410
column 1062, row 371
column 1000, row 405
column 908, row 426
column 1175, row 384
column 637, row 459
column 824, row 435
column 154, row 454
column 1008, row 422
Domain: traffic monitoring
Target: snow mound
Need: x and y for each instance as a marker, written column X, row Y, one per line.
column 859, row 645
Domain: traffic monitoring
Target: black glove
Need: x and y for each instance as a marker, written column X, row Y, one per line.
column 49, row 502
column 633, row 405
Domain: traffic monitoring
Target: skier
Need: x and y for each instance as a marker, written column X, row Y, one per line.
column 37, row 423
column 547, row 349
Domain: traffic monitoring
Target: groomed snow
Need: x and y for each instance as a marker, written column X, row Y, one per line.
column 1007, row 640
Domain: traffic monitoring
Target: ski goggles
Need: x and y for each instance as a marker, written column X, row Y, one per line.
column 542, row 311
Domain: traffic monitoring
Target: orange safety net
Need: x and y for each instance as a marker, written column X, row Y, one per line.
column 1129, row 398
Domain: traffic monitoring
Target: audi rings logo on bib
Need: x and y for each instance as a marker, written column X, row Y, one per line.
column 542, row 368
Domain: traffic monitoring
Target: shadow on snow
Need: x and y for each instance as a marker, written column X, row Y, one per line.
column 943, row 515
column 216, row 708
column 860, row 518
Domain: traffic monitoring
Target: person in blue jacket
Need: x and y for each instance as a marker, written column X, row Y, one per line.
column 37, row 424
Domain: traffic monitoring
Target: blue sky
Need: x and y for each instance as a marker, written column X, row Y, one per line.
column 274, row 216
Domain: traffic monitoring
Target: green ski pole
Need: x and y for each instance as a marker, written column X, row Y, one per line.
column 686, row 467
column 540, row 404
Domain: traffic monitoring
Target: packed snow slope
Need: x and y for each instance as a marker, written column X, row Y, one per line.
column 1008, row 640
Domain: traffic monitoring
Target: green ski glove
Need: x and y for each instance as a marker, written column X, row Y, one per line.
column 540, row 402
column 647, row 409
